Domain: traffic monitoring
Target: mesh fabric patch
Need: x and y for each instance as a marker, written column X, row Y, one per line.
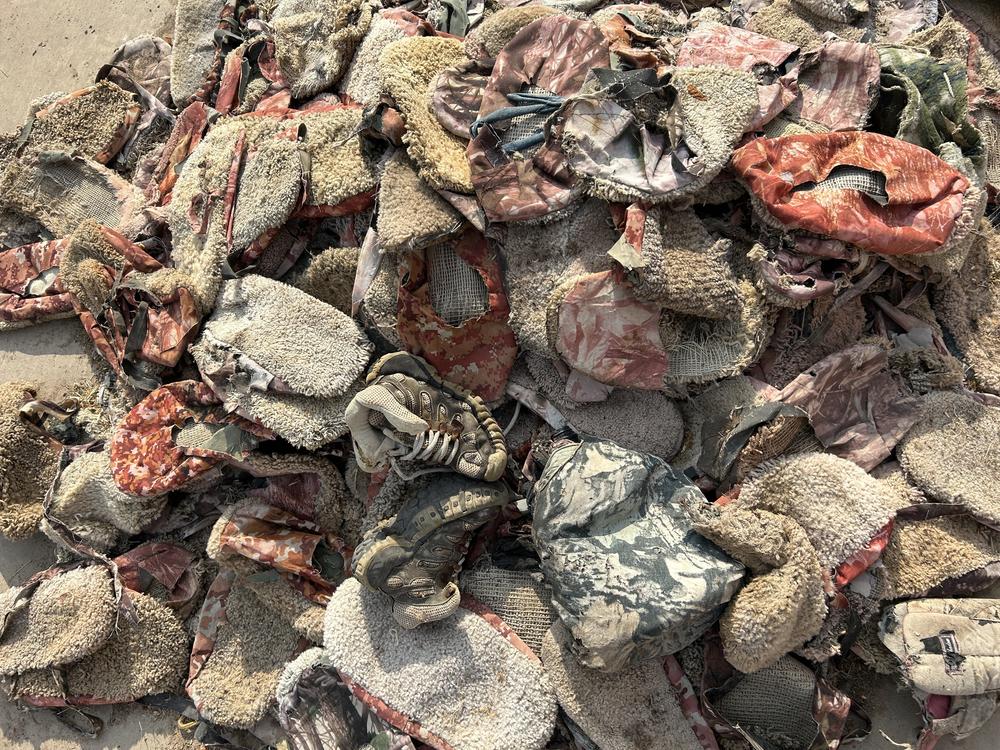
column 76, row 195
column 521, row 601
column 774, row 705
column 846, row 177
column 523, row 126
column 458, row 292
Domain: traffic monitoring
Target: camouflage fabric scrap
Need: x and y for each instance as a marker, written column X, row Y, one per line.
column 146, row 461
column 30, row 289
column 630, row 579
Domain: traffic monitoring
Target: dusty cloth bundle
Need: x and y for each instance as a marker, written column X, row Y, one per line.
column 638, row 420
column 285, row 560
column 411, row 215
column 298, row 386
column 466, row 682
column 132, row 307
column 539, row 258
column 796, row 521
column 197, row 56
column 407, row 68
column 94, row 122
column 634, row 709
column 628, row 578
column 57, row 621
column 27, row 464
column 61, row 190
column 945, row 646
column 453, row 312
column 138, row 658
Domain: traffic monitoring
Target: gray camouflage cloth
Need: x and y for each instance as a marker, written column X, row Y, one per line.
column 629, row 577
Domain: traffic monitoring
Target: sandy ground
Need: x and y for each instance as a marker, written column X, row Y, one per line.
column 58, row 45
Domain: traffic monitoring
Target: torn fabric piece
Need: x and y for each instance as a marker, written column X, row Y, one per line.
column 145, row 456
column 30, row 288
column 838, row 85
column 855, row 407
column 607, row 333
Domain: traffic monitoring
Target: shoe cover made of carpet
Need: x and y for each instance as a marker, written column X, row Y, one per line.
column 909, row 201
column 731, row 47
column 411, row 215
column 857, row 407
column 628, row 578
column 487, row 40
column 466, row 683
column 197, row 58
column 644, row 421
column 685, row 268
column 282, row 358
column 94, row 122
column 66, row 618
column 520, row 598
column 341, row 177
column 783, row 606
column 361, row 80
column 415, row 555
column 149, row 452
column 634, row 709
column 111, row 279
column 27, row 464
column 89, row 503
column 240, row 649
column 415, row 408
column 605, row 331
column 839, row 506
column 968, row 306
column 453, row 312
column 947, row 454
column 682, row 140
column 946, row 646
column 33, row 291
column 314, row 706
column 790, row 22
column 314, row 42
column 550, row 55
column 60, row 191
column 540, row 257
column 407, row 69
column 952, row 556
column 277, row 539
column 138, row 659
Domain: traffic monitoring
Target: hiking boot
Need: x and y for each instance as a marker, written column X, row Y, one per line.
column 409, row 413
column 414, row 556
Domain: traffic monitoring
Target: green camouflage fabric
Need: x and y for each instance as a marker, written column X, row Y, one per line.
column 630, row 578
column 925, row 101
